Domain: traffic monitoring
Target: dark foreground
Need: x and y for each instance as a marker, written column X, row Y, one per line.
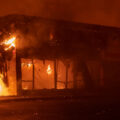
column 63, row 109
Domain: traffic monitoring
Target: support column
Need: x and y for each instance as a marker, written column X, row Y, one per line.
column 66, row 83
column 101, row 76
column 5, row 74
column 33, row 75
column 55, row 74
column 18, row 74
column 75, row 74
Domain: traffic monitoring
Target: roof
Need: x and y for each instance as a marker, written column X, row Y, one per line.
column 69, row 38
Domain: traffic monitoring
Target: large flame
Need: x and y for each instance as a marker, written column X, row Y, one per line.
column 3, row 88
column 9, row 43
column 49, row 70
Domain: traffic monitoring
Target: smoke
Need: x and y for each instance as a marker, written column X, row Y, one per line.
column 36, row 33
column 104, row 12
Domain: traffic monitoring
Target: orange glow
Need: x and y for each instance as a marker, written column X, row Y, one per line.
column 29, row 64
column 10, row 43
column 51, row 36
column 25, row 88
column 3, row 88
column 49, row 70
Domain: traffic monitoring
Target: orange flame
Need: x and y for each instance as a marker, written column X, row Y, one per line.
column 10, row 43
column 49, row 70
column 3, row 88
column 29, row 65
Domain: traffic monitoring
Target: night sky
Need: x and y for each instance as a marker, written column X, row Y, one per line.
column 104, row 12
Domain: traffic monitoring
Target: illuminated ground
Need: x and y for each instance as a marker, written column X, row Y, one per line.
column 72, row 109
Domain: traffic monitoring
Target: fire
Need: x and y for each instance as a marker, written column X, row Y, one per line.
column 10, row 43
column 29, row 65
column 3, row 88
column 49, row 70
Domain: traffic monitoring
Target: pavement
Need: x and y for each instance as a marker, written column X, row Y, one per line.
column 62, row 95
column 84, row 108
column 59, row 106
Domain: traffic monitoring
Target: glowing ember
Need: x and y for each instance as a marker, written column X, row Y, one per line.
column 49, row 70
column 3, row 88
column 10, row 43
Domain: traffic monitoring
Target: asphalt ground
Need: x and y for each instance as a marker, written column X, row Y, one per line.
column 83, row 108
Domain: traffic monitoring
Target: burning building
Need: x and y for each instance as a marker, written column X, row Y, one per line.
column 39, row 54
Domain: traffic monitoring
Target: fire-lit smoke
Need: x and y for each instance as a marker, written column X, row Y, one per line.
column 36, row 35
column 3, row 88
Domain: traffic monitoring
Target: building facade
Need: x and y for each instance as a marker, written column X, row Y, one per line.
column 60, row 55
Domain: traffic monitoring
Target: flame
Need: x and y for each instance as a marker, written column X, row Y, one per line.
column 10, row 43
column 49, row 70
column 3, row 88
column 25, row 88
column 29, row 65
